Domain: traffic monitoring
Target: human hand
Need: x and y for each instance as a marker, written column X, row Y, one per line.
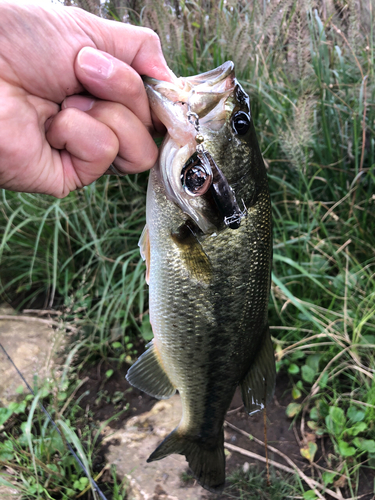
column 52, row 140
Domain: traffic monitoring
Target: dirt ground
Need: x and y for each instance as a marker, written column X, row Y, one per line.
column 280, row 433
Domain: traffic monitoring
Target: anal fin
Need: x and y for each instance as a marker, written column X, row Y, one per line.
column 257, row 387
column 147, row 374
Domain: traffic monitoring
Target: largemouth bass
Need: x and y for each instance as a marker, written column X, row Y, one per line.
column 208, row 251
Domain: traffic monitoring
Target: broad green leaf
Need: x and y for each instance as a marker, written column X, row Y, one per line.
column 365, row 444
column 328, row 477
column 313, row 361
column 314, row 414
column 323, row 381
column 293, row 369
column 5, row 414
column 308, row 374
column 312, row 425
column 335, row 420
column 292, row 409
column 357, row 429
column 355, row 414
column 309, row 495
column 6, row 450
column 296, row 393
column 309, row 451
column 346, row 450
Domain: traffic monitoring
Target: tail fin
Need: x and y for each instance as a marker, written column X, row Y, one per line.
column 206, row 460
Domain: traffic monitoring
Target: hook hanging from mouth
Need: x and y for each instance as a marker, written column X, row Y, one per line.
column 200, row 175
column 225, row 197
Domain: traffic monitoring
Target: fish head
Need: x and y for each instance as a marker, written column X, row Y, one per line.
column 204, row 161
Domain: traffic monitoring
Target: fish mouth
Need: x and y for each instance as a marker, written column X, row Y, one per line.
column 212, row 78
column 205, row 98
column 203, row 94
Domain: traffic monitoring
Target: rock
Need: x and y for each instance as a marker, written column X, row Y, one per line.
column 9, row 493
column 30, row 345
column 129, row 448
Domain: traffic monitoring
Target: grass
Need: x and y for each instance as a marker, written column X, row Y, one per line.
column 310, row 74
column 252, row 485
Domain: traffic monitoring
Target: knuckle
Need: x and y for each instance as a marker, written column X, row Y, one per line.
column 150, row 156
column 110, row 149
column 135, row 89
column 151, row 36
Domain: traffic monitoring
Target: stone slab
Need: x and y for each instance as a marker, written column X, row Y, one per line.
column 130, row 447
column 30, row 345
column 9, row 493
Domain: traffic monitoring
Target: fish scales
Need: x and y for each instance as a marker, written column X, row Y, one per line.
column 209, row 285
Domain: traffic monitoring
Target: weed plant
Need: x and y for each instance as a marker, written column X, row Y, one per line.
column 252, row 485
column 308, row 67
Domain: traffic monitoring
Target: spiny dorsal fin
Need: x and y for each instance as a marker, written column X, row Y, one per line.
column 258, row 385
column 148, row 375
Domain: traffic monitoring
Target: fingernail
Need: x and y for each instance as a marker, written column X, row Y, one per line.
column 95, row 63
column 78, row 101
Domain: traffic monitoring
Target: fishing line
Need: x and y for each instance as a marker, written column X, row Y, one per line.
column 78, row 460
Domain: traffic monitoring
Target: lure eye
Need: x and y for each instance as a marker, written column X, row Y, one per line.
column 241, row 122
column 196, row 178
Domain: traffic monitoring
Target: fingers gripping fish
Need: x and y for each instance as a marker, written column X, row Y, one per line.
column 208, row 251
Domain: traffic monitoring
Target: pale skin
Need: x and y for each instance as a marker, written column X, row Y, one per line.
column 52, row 139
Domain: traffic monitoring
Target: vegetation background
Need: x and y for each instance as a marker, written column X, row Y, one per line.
column 308, row 67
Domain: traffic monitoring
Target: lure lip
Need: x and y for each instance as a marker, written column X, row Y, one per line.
column 211, row 78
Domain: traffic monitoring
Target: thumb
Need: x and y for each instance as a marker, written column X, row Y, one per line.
column 138, row 47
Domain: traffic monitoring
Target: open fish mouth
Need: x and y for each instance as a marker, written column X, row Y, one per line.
column 200, row 93
column 195, row 110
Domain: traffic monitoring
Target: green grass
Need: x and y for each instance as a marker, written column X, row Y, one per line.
column 252, row 485
column 35, row 458
column 310, row 76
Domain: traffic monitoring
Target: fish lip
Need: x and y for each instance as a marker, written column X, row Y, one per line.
column 201, row 93
column 212, row 78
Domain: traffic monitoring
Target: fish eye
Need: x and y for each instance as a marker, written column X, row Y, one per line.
column 241, row 122
column 195, row 178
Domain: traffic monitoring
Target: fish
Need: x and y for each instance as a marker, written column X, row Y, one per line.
column 207, row 244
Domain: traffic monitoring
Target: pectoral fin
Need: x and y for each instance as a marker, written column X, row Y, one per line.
column 148, row 375
column 196, row 261
column 258, row 385
column 144, row 245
